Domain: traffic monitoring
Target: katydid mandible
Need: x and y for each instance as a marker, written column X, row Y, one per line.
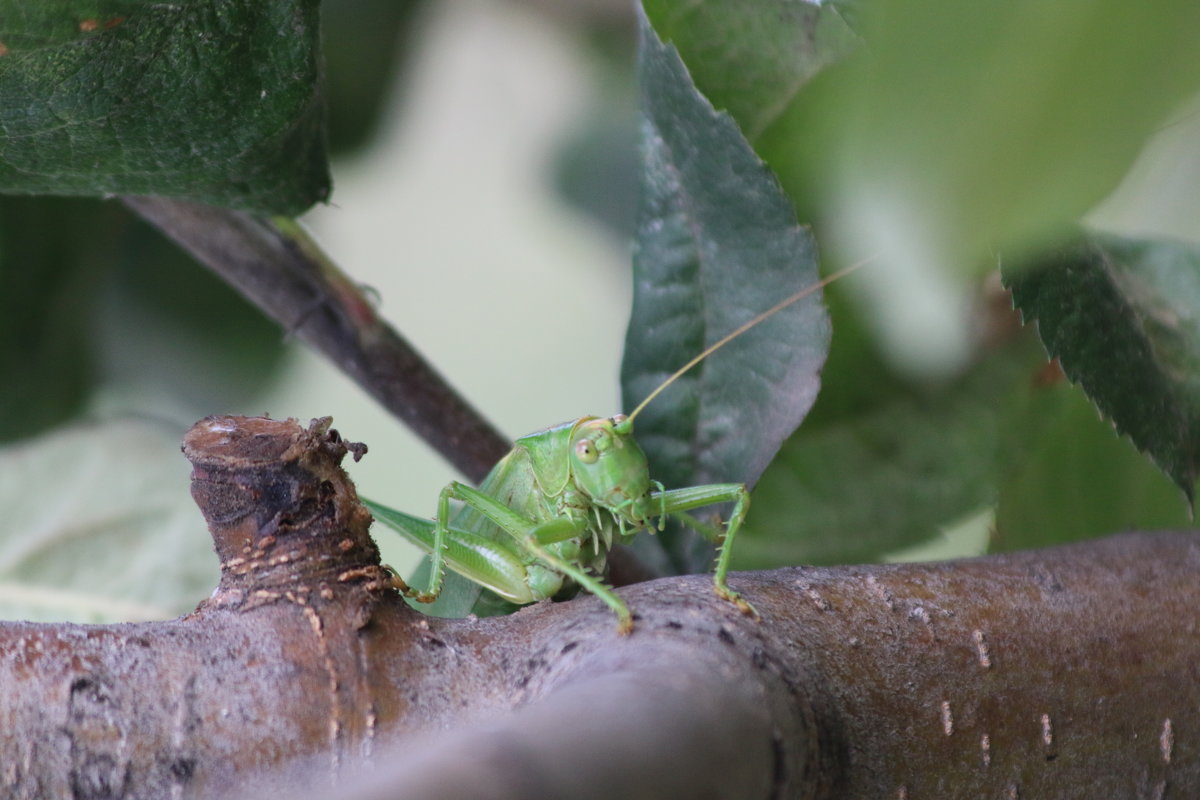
column 553, row 507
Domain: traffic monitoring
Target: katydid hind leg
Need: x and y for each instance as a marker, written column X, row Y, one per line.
column 437, row 549
column 677, row 501
column 526, row 533
column 476, row 563
column 437, row 554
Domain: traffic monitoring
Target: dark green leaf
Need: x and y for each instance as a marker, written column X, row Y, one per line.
column 597, row 169
column 173, row 326
column 1123, row 317
column 215, row 100
column 50, row 278
column 114, row 300
column 717, row 243
column 1067, row 477
column 366, row 44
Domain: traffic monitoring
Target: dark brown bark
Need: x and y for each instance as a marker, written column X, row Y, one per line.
column 1062, row 673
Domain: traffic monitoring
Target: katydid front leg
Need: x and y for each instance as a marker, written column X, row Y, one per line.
column 675, row 501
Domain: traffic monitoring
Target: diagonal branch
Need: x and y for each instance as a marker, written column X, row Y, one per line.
column 276, row 267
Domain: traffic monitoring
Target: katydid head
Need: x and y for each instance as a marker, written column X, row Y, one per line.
column 611, row 468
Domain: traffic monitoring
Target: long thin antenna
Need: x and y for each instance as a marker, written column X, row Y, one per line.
column 729, row 337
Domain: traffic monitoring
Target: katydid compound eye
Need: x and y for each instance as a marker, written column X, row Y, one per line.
column 586, row 452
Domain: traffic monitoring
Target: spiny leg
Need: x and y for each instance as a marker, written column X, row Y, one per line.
column 437, row 554
column 398, row 583
column 606, row 595
column 533, row 536
column 676, row 501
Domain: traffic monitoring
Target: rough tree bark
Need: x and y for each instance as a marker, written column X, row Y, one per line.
column 1016, row 676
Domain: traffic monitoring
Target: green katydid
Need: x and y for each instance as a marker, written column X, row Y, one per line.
column 553, row 507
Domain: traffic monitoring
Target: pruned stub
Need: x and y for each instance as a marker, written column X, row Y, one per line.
column 283, row 515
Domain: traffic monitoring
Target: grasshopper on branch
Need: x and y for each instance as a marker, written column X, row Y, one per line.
column 550, row 510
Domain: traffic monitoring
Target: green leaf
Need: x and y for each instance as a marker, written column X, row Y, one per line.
column 214, row 101
column 49, row 280
column 717, row 243
column 98, row 526
column 750, row 58
column 1069, row 478
column 1123, row 317
column 880, row 464
column 962, row 127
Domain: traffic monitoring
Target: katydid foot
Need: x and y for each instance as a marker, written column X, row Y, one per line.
column 742, row 604
column 403, row 588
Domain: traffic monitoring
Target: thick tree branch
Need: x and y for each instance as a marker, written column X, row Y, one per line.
column 651, row 721
column 295, row 285
column 1063, row 673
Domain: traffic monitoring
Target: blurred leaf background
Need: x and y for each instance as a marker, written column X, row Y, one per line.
column 485, row 164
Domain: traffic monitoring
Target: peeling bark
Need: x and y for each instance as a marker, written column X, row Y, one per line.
column 1062, row 673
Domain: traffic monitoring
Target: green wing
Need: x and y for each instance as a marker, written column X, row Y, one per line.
column 511, row 482
column 476, row 557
